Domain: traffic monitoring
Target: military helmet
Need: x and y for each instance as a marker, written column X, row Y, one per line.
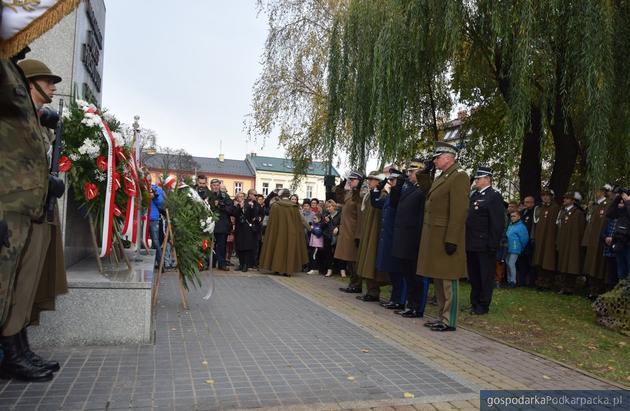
column 34, row 69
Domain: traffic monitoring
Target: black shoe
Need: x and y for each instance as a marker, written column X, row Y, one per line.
column 240, row 267
column 394, row 306
column 17, row 366
column 387, row 303
column 35, row 359
column 479, row 311
column 401, row 312
column 412, row 314
column 244, row 268
column 442, row 327
column 367, row 298
column 432, row 323
column 350, row 290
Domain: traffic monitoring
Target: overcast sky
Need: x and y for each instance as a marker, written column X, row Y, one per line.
column 187, row 69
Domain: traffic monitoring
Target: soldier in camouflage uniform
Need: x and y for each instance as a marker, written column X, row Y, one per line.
column 24, row 174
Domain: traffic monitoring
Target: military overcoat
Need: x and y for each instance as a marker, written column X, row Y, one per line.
column 284, row 243
column 445, row 213
column 571, row 225
column 346, row 247
column 594, row 261
column 544, row 235
column 369, row 228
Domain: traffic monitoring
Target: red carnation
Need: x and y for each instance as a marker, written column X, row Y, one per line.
column 101, row 163
column 91, row 191
column 204, row 245
column 65, row 164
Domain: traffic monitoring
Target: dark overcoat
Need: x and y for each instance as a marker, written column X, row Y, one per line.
column 594, row 261
column 346, row 247
column 222, row 204
column 571, row 225
column 370, row 225
column 445, row 213
column 408, row 223
column 247, row 226
column 385, row 261
column 485, row 223
column 545, row 232
column 284, row 243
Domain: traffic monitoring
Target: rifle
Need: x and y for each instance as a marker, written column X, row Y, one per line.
column 54, row 166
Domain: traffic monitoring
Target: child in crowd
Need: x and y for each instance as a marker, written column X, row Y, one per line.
column 517, row 237
column 315, row 244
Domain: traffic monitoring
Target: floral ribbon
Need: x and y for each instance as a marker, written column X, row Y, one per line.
column 110, row 194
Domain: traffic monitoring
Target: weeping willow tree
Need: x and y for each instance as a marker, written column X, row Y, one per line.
column 290, row 96
column 545, row 82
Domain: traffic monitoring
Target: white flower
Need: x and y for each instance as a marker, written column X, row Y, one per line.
column 83, row 104
column 91, row 120
column 74, row 156
column 90, row 148
column 209, row 228
column 65, row 113
column 108, row 117
column 99, row 175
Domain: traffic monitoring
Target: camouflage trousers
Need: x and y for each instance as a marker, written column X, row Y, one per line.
column 10, row 258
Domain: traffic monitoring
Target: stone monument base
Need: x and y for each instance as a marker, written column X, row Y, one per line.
column 111, row 308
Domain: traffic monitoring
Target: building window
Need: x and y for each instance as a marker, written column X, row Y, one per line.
column 238, row 187
column 265, row 189
column 309, row 191
column 278, row 186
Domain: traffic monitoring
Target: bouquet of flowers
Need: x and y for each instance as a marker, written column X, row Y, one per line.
column 192, row 223
column 101, row 170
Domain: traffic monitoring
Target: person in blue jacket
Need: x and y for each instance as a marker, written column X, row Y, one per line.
column 517, row 237
column 157, row 204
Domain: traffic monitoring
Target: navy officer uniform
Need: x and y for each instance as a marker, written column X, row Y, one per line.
column 484, row 228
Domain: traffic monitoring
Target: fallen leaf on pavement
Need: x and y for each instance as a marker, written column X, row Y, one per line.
column 173, row 329
column 209, row 382
column 204, row 362
column 365, row 350
column 546, row 377
column 351, row 378
column 408, row 395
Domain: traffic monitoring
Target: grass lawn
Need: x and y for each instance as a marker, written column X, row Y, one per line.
column 558, row 326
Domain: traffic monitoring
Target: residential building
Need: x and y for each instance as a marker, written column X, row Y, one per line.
column 275, row 172
column 236, row 175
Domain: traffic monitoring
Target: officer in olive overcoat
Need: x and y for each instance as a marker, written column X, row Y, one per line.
column 571, row 224
column 544, row 237
column 593, row 241
column 347, row 249
column 442, row 253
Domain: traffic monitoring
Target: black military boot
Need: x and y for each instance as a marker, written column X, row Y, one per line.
column 15, row 364
column 35, row 359
column 244, row 268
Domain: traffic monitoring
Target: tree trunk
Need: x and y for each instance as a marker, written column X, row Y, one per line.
column 529, row 171
column 566, row 151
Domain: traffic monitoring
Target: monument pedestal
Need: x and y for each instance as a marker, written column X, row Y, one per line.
column 112, row 308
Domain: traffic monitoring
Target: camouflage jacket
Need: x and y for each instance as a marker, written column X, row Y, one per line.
column 23, row 146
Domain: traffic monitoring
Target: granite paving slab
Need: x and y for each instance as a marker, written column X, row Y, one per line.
column 256, row 343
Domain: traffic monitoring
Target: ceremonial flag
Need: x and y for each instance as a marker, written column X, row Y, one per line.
column 23, row 21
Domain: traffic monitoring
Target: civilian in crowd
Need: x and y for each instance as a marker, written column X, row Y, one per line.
column 619, row 238
column 315, row 245
column 295, row 199
column 526, row 275
column 222, row 204
column 315, row 205
column 330, row 226
column 157, row 206
column 247, row 212
column 517, row 239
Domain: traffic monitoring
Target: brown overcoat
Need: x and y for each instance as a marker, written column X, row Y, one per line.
column 284, row 243
column 445, row 214
column 369, row 224
column 346, row 248
column 594, row 261
column 545, row 230
column 53, row 281
column 571, row 225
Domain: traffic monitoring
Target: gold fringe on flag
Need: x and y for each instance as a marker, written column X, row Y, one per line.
column 39, row 26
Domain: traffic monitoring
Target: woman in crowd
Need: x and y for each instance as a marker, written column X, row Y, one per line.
column 247, row 213
column 330, row 227
column 294, row 198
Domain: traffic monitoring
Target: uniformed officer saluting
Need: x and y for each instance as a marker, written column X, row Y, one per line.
column 484, row 227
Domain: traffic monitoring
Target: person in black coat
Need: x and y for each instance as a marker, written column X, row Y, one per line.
column 246, row 213
column 484, row 229
column 330, row 226
column 526, row 275
column 406, row 240
column 222, row 204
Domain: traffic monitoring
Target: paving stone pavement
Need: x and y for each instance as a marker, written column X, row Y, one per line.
column 286, row 344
